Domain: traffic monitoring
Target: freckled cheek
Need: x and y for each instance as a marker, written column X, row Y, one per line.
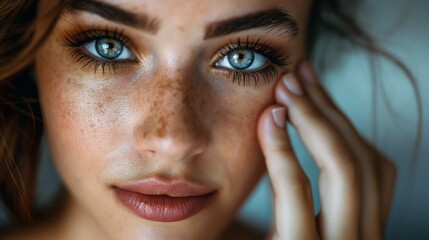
column 244, row 151
column 239, row 137
column 81, row 125
column 81, row 121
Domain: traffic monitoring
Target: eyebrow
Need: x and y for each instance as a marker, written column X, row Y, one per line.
column 116, row 14
column 273, row 19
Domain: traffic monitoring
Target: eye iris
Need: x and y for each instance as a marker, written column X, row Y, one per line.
column 241, row 59
column 109, row 48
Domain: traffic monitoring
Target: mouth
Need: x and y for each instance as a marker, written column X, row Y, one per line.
column 161, row 201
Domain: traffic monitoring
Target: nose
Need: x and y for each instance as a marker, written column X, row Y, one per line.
column 172, row 127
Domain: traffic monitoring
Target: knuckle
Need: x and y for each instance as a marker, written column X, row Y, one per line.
column 347, row 169
column 296, row 183
column 281, row 145
column 300, row 182
column 307, row 114
column 307, row 109
column 282, row 148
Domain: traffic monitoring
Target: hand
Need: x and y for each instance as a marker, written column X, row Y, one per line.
column 356, row 181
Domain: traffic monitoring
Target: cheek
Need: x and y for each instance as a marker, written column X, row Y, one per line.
column 87, row 118
column 237, row 133
column 80, row 120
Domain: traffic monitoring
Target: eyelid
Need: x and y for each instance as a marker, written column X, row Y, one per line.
column 83, row 35
column 246, row 78
column 276, row 59
column 255, row 45
column 77, row 39
column 226, row 64
column 92, row 44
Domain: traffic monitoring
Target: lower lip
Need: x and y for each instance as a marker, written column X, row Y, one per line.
column 162, row 208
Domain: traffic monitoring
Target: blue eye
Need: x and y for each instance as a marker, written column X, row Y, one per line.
column 109, row 48
column 243, row 59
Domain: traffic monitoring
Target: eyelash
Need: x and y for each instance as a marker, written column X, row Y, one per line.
column 75, row 41
column 267, row 74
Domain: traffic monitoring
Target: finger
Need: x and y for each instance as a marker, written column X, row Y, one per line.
column 370, row 219
column 339, row 175
column 374, row 167
column 294, row 214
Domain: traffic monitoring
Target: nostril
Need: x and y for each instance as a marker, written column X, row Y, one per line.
column 173, row 146
column 151, row 153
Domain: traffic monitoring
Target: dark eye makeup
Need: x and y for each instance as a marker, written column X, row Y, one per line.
column 244, row 62
column 244, row 77
column 78, row 41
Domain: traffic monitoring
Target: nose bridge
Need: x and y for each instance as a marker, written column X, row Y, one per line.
column 172, row 128
column 172, row 108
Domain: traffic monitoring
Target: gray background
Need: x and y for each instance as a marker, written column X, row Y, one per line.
column 402, row 27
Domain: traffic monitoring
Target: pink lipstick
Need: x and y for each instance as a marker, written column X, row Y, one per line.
column 163, row 201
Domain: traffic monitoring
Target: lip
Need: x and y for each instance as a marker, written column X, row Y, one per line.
column 164, row 201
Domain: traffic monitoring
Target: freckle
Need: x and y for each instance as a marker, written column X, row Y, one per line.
column 161, row 130
column 109, row 98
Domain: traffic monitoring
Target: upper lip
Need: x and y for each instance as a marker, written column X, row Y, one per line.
column 172, row 188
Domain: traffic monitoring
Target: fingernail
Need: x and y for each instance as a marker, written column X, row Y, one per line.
column 292, row 84
column 279, row 116
column 308, row 73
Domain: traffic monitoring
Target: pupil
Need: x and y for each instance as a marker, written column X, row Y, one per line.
column 109, row 48
column 241, row 59
column 241, row 56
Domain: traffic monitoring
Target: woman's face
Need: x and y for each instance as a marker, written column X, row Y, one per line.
column 150, row 107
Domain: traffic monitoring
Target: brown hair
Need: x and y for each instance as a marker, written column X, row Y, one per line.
column 20, row 117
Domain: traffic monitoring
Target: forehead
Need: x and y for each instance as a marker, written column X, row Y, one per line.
column 202, row 11
column 189, row 17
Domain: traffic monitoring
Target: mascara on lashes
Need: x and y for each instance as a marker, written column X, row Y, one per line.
column 76, row 39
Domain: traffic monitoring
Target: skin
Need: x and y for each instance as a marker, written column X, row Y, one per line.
column 172, row 116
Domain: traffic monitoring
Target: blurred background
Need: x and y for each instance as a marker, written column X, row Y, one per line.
column 401, row 27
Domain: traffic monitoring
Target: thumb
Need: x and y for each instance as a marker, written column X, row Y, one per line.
column 293, row 202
